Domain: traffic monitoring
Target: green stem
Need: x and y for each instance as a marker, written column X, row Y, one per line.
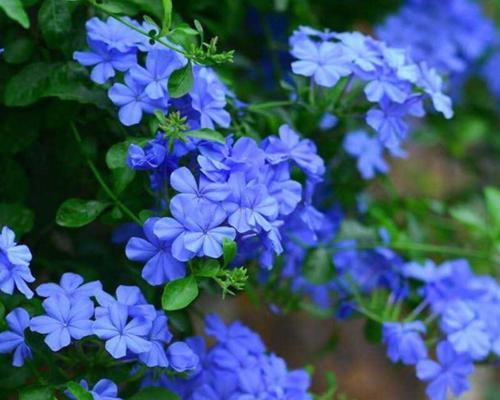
column 270, row 104
column 101, row 181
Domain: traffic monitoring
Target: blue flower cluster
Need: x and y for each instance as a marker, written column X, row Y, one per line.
column 391, row 80
column 236, row 367
column 467, row 307
column 104, row 389
column 241, row 191
column 115, row 52
column 131, row 328
column 449, row 35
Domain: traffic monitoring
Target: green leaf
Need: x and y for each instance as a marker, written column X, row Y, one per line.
column 74, row 213
column 181, row 81
column 208, row 269
column 154, row 393
column 19, row 50
column 14, row 10
column 207, row 134
column 17, row 217
column 54, row 18
column 183, row 35
column 79, row 392
column 167, row 16
column 36, row 393
column 122, row 177
column 228, row 250
column 492, row 197
column 179, row 294
column 470, row 217
column 116, row 157
column 318, row 266
column 62, row 80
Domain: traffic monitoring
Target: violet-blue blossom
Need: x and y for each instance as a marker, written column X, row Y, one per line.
column 448, row 374
column 195, row 232
column 404, row 341
column 13, row 340
column 368, row 151
column 181, row 357
column 72, row 286
column 160, row 266
column 14, row 264
column 133, row 101
column 324, row 62
column 465, row 330
column 64, row 320
column 289, row 146
column 159, row 336
column 129, row 296
column 121, row 333
column 159, row 66
column 104, row 61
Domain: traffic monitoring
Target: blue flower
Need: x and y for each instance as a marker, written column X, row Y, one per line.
column 289, row 146
column 388, row 121
column 384, row 83
column 104, row 60
column 182, row 358
column 361, row 50
column 71, row 286
column 450, row 372
column 161, row 267
column 325, row 62
column 129, row 296
column 159, row 66
column 64, row 320
column 159, row 336
column 13, row 340
column 148, row 157
column 14, row 264
column 369, row 152
column 104, row 389
column 404, row 341
column 113, row 33
column 184, row 182
column 433, row 84
column 122, row 334
column 287, row 192
column 249, row 208
column 465, row 331
column 196, row 231
column 133, row 101
column 208, row 97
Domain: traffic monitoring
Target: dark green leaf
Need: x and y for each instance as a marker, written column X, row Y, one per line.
column 179, row 294
column 116, row 157
column 79, row 392
column 36, row 393
column 74, row 213
column 14, row 10
column 14, row 184
column 62, row 80
column 229, row 250
column 122, row 177
column 181, row 81
column 183, row 35
column 318, row 266
column 19, row 50
column 154, row 393
column 54, row 18
column 19, row 129
column 207, row 134
column 17, row 217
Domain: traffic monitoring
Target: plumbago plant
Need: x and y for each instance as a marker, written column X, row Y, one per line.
column 207, row 191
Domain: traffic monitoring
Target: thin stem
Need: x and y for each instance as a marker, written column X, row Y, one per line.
column 101, row 181
column 270, row 104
